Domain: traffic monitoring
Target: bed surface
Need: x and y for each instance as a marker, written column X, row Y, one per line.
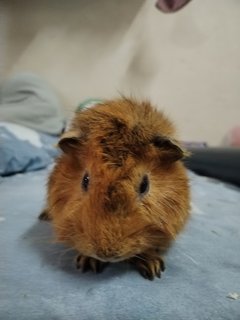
column 38, row 279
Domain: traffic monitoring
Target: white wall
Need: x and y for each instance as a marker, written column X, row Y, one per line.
column 188, row 63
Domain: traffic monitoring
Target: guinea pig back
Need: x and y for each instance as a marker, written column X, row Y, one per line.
column 119, row 190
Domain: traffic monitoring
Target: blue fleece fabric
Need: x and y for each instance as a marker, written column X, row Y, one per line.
column 23, row 149
column 38, row 279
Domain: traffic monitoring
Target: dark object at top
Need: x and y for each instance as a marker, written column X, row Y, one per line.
column 169, row 6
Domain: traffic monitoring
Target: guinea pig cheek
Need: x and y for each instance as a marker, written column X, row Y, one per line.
column 134, row 239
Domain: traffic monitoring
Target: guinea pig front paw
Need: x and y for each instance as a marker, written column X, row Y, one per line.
column 88, row 263
column 148, row 267
column 44, row 215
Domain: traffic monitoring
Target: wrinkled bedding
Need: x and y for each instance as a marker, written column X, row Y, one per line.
column 31, row 121
column 38, row 279
column 28, row 100
column 23, row 149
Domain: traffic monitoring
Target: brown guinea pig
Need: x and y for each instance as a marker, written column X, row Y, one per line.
column 119, row 190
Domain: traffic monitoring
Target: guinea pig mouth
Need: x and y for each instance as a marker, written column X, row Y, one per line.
column 112, row 259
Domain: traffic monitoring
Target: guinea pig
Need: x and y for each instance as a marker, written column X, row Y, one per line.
column 119, row 190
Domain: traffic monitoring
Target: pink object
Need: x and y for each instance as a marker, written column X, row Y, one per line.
column 233, row 137
column 171, row 5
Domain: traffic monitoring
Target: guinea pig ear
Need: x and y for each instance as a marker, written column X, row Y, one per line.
column 69, row 140
column 170, row 149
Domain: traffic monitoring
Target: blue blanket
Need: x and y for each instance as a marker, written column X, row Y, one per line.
column 23, row 149
column 38, row 279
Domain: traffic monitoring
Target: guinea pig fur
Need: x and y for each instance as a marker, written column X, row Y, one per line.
column 119, row 190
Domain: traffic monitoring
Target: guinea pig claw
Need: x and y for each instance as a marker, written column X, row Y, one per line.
column 162, row 264
column 149, row 267
column 82, row 263
column 146, row 275
column 158, row 275
column 90, row 264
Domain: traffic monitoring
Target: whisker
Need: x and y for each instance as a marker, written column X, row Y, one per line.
column 139, row 257
column 64, row 254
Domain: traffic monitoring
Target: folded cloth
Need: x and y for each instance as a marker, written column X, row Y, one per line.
column 26, row 99
column 23, row 149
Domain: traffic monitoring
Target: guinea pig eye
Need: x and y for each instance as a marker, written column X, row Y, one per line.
column 85, row 182
column 144, row 186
